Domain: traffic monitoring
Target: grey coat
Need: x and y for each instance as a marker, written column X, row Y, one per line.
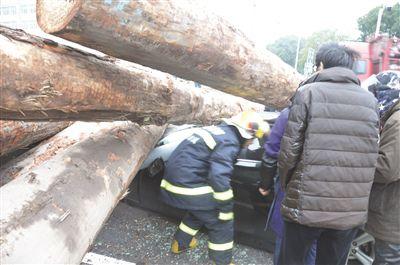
column 384, row 208
column 329, row 152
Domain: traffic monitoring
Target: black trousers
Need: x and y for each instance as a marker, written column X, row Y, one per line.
column 332, row 245
column 220, row 234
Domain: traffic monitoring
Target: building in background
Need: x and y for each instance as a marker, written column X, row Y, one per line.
column 20, row 14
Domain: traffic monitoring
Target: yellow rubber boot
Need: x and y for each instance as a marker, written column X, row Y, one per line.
column 175, row 246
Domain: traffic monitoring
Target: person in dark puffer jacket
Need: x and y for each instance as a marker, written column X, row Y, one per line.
column 327, row 160
column 268, row 172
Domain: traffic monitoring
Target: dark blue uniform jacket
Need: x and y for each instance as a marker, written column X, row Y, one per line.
column 198, row 172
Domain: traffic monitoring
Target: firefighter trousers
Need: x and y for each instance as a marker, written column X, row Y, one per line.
column 220, row 234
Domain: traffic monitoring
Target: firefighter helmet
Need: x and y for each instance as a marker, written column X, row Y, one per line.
column 249, row 124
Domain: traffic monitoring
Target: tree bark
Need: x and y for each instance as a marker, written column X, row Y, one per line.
column 64, row 190
column 177, row 37
column 44, row 80
column 15, row 135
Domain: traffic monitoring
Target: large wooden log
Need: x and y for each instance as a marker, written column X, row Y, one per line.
column 15, row 135
column 41, row 79
column 177, row 37
column 64, row 190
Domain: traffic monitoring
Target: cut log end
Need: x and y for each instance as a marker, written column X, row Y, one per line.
column 53, row 15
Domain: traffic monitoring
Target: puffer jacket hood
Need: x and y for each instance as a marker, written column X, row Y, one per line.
column 333, row 75
column 329, row 151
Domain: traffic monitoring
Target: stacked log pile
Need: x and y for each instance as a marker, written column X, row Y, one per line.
column 66, row 187
column 70, row 84
column 177, row 37
column 63, row 191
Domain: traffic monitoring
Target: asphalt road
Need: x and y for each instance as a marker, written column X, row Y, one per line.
column 134, row 235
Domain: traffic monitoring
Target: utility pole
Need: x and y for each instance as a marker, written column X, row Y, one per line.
column 297, row 53
column 308, row 66
column 378, row 22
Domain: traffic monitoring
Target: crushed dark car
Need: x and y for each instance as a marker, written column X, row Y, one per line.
column 250, row 207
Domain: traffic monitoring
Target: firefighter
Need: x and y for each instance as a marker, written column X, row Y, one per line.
column 197, row 179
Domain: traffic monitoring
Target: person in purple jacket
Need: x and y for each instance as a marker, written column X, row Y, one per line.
column 268, row 174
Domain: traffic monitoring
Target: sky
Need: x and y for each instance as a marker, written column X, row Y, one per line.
column 263, row 21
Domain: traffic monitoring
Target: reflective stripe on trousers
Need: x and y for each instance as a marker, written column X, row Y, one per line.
column 220, row 234
column 225, row 216
column 220, row 247
column 188, row 230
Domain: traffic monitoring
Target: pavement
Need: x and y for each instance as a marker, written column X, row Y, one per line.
column 142, row 237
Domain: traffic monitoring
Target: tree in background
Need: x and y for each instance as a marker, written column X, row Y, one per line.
column 285, row 47
column 390, row 22
column 315, row 41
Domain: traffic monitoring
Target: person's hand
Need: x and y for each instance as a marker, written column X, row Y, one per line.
column 264, row 192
